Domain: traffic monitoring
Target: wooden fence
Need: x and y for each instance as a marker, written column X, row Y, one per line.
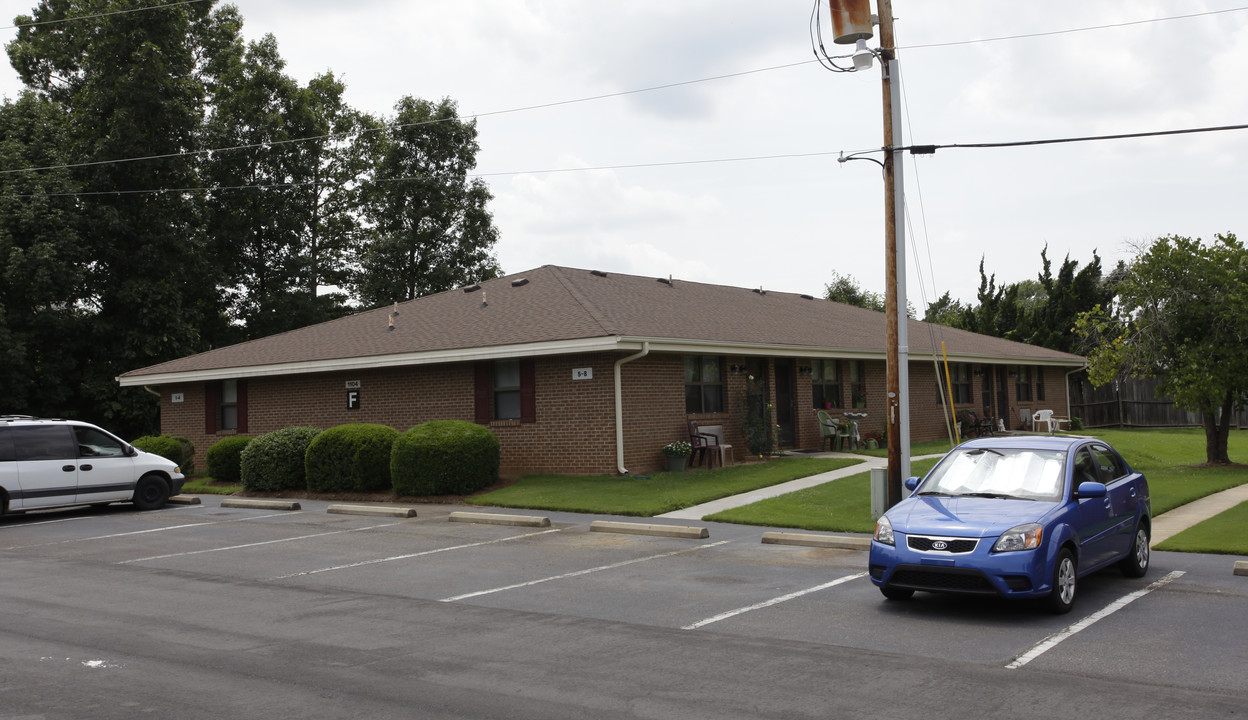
column 1132, row 402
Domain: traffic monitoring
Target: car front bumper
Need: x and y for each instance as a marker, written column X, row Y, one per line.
column 1020, row 574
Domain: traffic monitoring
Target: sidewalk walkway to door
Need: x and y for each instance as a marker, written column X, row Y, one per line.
column 1165, row 525
column 697, row 512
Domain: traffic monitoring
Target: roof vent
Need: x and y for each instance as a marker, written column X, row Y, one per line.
column 519, row 282
column 472, row 288
column 808, row 297
column 665, row 281
column 599, row 273
column 760, row 290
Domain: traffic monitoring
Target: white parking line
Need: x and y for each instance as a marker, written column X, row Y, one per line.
column 255, row 544
column 600, row 568
column 152, row 530
column 773, row 601
column 1052, row 641
column 412, row 555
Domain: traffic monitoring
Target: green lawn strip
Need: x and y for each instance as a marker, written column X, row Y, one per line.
column 1168, row 458
column 199, row 485
column 1222, row 534
column 653, row 495
column 840, row 505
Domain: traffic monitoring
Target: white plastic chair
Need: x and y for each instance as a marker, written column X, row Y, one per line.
column 1046, row 417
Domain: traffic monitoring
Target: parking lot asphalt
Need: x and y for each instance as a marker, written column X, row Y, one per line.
column 264, row 598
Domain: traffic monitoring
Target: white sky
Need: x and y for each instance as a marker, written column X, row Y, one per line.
column 787, row 224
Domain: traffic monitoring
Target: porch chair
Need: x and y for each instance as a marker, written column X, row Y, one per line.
column 725, row 450
column 1024, row 419
column 832, row 431
column 701, row 443
column 1054, row 424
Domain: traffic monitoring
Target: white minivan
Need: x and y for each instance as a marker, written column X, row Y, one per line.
column 54, row 463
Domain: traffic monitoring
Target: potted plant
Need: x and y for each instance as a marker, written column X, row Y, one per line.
column 677, row 452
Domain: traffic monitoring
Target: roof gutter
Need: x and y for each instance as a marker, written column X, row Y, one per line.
column 619, row 407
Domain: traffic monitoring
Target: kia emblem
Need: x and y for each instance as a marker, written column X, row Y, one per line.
column 940, row 545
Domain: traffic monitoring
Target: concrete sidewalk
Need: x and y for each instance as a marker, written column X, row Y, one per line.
column 1165, row 526
column 697, row 512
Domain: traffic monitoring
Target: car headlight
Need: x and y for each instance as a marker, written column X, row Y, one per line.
column 1023, row 537
column 884, row 531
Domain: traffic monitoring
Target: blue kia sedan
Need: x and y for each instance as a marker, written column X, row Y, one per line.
column 1017, row 517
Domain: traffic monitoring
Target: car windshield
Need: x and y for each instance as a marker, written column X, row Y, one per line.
column 999, row 472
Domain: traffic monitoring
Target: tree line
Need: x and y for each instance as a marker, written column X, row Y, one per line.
column 1178, row 312
column 166, row 188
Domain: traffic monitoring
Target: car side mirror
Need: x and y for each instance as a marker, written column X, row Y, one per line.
column 1091, row 490
column 131, row 451
column 912, row 483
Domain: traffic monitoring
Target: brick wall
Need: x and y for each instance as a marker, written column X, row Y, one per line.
column 574, row 430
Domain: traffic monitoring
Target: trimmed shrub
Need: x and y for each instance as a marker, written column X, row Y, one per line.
column 222, row 459
column 165, row 446
column 350, row 458
column 187, row 463
column 444, row 457
column 275, row 461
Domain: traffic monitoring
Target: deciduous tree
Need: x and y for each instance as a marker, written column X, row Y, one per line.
column 1182, row 317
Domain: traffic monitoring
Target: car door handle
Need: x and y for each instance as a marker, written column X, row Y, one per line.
column 84, row 467
column 68, row 468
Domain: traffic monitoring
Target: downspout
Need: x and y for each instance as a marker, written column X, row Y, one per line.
column 150, row 390
column 619, row 407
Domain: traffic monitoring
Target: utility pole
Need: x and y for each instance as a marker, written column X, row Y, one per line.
column 897, row 379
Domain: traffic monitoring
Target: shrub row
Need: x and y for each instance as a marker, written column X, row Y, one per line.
column 171, row 447
column 444, row 457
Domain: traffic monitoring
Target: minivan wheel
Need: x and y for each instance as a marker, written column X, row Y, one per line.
column 1065, row 583
column 1135, row 564
column 151, row 492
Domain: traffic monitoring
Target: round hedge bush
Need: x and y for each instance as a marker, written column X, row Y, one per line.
column 187, row 463
column 274, row 461
column 166, row 446
column 350, row 458
column 222, row 459
column 444, row 457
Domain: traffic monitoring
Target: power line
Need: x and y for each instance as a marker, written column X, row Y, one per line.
column 1107, row 26
column 102, row 15
column 558, row 103
column 929, row 149
column 277, row 186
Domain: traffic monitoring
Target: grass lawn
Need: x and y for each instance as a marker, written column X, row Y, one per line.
column 653, row 495
column 202, row 485
column 841, row 505
column 1169, row 458
column 1223, row 534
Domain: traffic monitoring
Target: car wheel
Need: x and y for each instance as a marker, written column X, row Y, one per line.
column 1136, row 563
column 1065, row 583
column 893, row 593
column 151, row 492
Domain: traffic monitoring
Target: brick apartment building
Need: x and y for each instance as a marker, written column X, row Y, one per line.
column 550, row 358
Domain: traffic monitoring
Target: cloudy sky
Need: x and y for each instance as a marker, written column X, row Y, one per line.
column 735, row 180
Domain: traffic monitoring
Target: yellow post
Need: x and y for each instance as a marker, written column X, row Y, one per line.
column 949, row 390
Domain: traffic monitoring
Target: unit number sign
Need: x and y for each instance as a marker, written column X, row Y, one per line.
column 583, row 374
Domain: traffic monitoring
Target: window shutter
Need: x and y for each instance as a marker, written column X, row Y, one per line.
column 242, row 406
column 528, row 392
column 212, row 405
column 481, row 392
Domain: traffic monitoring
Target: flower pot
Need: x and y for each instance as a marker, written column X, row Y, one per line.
column 676, row 463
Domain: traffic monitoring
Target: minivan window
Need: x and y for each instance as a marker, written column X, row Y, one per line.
column 94, row 443
column 6, row 446
column 49, row 442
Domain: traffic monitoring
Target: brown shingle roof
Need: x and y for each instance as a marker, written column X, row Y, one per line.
column 564, row 305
